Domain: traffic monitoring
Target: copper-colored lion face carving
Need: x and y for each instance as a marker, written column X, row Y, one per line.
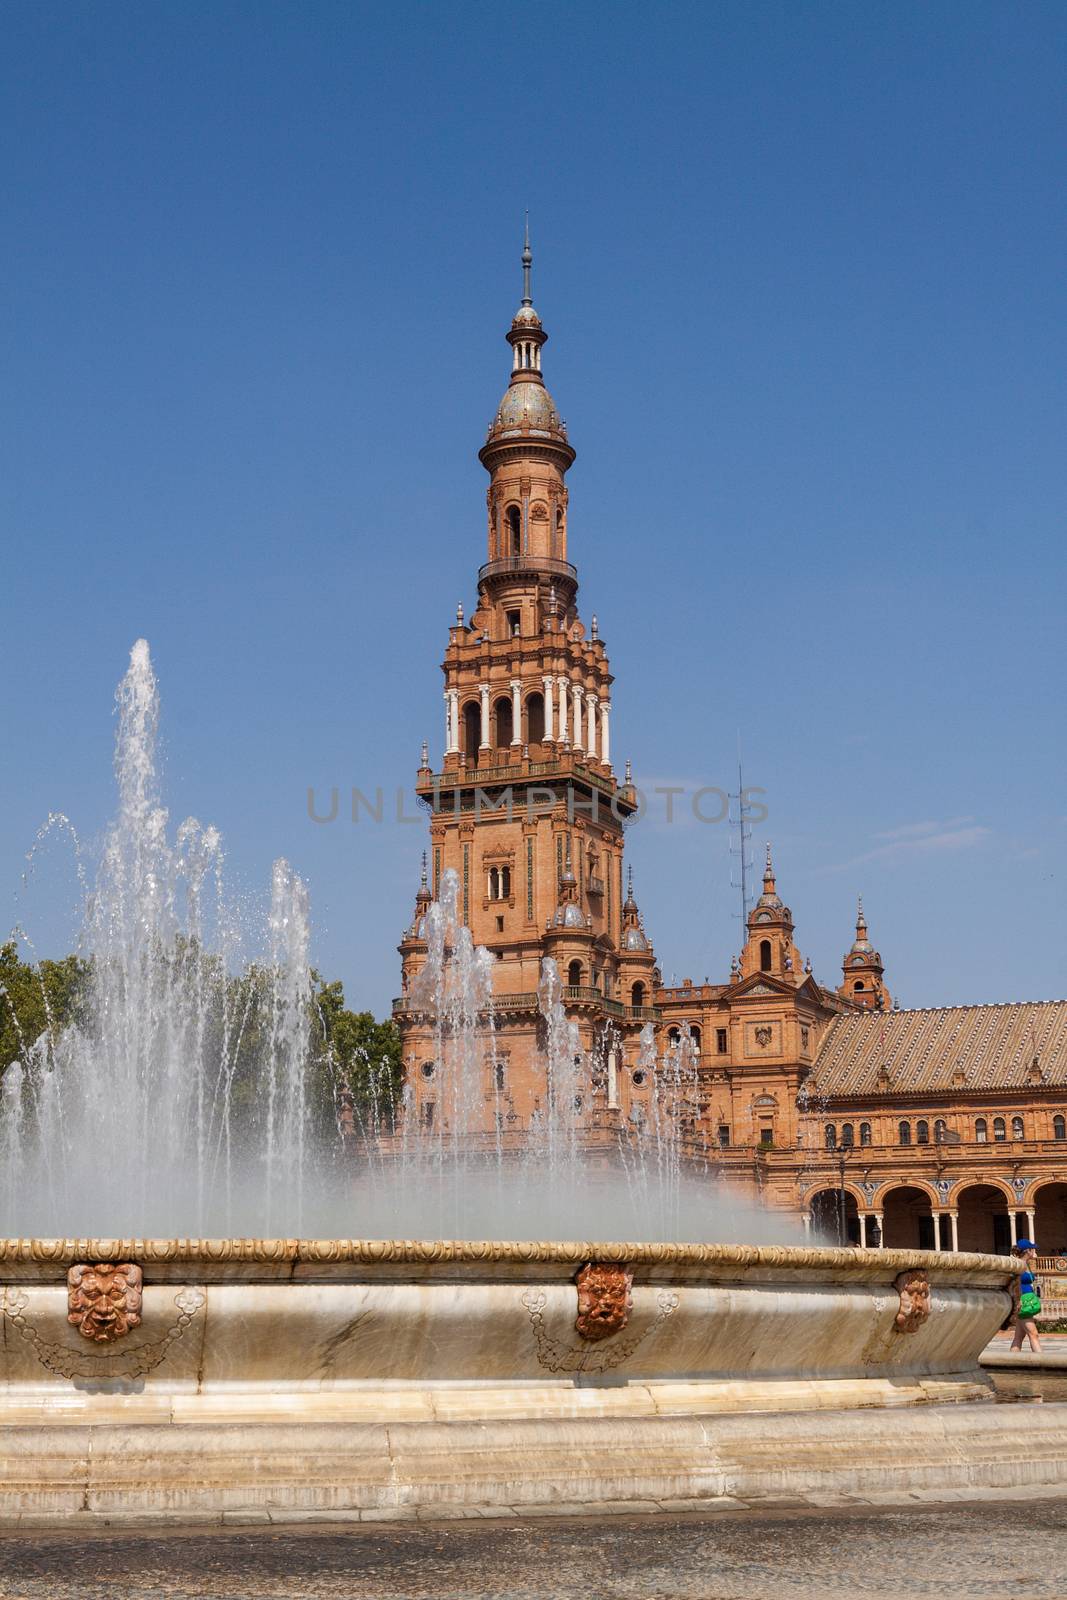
column 104, row 1299
column 914, row 1287
column 604, row 1299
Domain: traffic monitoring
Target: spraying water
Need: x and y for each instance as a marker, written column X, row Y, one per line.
column 186, row 1099
column 131, row 1119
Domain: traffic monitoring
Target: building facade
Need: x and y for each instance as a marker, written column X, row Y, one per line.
column 942, row 1128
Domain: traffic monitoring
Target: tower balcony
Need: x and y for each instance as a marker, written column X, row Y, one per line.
column 528, row 566
column 453, row 788
column 574, row 995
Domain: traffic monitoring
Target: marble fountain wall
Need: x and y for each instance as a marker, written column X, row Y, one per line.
column 279, row 1379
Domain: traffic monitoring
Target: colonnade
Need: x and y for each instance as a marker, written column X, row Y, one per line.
column 575, row 717
column 876, row 1234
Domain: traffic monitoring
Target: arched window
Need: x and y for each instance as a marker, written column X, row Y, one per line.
column 637, row 995
column 694, row 1033
column 535, row 718
column 981, row 1130
column 502, row 719
column 574, row 974
column 847, row 1136
column 1017, row 1128
column 904, row 1132
column 1059, row 1127
column 830, row 1136
column 674, row 1038
column 558, row 547
column 865, row 1133
column 765, row 955
column 999, row 1131
column 513, row 522
column 472, row 729
column 922, row 1132
column 858, row 985
column 493, row 887
column 940, row 1130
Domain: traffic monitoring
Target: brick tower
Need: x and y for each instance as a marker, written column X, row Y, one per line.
column 525, row 808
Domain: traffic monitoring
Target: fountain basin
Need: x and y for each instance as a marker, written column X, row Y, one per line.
column 280, row 1378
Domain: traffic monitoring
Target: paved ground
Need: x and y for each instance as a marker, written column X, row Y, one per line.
column 958, row 1551
column 961, row 1552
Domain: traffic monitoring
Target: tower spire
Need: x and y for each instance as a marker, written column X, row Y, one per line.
column 527, row 263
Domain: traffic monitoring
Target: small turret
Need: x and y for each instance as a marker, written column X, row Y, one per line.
column 862, row 970
column 770, row 947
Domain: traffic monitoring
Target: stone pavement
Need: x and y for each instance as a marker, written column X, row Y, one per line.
column 961, row 1551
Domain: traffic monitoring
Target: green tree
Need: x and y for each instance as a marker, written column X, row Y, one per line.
column 36, row 999
column 358, row 1059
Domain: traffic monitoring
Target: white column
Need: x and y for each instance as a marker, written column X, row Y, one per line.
column 563, row 710
column 590, row 724
column 605, row 733
column 613, row 1080
column 1031, row 1224
column 516, row 711
column 1012, row 1223
column 879, row 1218
column 448, row 723
column 550, row 719
column 937, row 1229
column 484, row 691
column 576, row 702
column 806, row 1220
column 863, row 1230
column 954, row 1218
column 453, row 720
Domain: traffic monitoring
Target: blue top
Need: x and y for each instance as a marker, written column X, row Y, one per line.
column 1027, row 1284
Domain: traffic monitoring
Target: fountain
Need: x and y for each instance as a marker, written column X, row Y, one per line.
column 213, row 1305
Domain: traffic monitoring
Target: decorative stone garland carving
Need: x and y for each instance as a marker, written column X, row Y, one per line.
column 604, row 1299
column 104, row 1300
column 130, row 1361
column 914, row 1287
column 555, row 1356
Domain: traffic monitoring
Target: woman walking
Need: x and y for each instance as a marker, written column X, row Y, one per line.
column 1029, row 1297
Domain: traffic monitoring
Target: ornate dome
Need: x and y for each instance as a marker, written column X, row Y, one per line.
column 527, row 402
column 569, row 916
column 634, row 939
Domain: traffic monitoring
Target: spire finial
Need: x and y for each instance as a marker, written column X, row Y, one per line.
column 630, row 880
column 424, row 869
column 861, row 921
column 527, row 263
column 768, row 871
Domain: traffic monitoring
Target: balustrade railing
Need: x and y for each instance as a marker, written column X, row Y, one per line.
column 503, row 565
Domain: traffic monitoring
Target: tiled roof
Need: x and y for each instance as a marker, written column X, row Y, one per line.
column 924, row 1050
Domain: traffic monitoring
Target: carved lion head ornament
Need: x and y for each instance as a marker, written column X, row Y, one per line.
column 604, row 1299
column 104, row 1299
column 914, row 1287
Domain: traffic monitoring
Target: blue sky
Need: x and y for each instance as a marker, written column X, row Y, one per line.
column 802, row 271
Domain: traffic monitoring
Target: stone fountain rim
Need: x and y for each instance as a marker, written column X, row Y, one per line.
column 474, row 1252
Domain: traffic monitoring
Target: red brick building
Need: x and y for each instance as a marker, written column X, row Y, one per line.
column 942, row 1127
